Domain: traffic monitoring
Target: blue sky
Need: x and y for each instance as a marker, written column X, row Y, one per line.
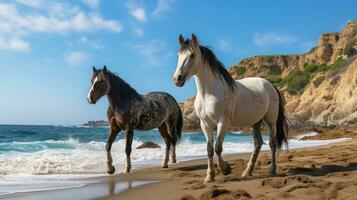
column 47, row 48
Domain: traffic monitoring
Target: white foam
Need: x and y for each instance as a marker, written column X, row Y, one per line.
column 307, row 134
column 90, row 158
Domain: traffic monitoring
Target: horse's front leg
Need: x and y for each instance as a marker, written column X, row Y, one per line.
column 129, row 141
column 221, row 131
column 208, row 131
column 113, row 132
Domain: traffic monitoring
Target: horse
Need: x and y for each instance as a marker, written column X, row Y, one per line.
column 128, row 110
column 223, row 103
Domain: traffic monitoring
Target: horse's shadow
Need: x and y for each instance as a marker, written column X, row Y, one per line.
column 192, row 168
column 323, row 170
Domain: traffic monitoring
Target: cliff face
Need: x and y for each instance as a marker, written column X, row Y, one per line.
column 330, row 104
column 319, row 86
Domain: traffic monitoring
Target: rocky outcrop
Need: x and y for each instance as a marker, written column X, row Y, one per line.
column 190, row 119
column 329, row 95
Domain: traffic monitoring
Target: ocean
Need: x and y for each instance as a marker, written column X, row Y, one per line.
column 48, row 157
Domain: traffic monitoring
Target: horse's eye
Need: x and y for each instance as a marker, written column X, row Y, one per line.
column 192, row 55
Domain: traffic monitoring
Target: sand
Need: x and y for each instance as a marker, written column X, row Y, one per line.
column 325, row 172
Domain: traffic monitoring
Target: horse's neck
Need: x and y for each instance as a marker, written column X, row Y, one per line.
column 208, row 83
column 120, row 101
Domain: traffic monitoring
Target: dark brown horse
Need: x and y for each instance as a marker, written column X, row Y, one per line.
column 129, row 111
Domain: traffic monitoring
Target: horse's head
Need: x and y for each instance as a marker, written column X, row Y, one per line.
column 100, row 85
column 189, row 57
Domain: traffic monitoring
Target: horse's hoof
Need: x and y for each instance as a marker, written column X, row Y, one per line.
column 208, row 179
column 112, row 170
column 164, row 166
column 173, row 161
column 226, row 169
column 246, row 174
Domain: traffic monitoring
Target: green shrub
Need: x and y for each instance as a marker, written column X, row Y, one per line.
column 276, row 80
column 322, row 68
column 318, row 81
column 296, row 81
column 272, row 69
column 292, row 74
column 240, row 70
column 337, row 65
column 310, row 68
column 297, row 84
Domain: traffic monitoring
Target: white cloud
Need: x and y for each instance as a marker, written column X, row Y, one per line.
column 14, row 44
column 224, row 45
column 76, row 58
column 49, row 17
column 32, row 3
column 137, row 12
column 271, row 38
column 153, row 52
column 92, row 3
column 161, row 7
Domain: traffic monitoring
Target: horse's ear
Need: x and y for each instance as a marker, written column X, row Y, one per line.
column 193, row 40
column 105, row 69
column 94, row 69
column 181, row 40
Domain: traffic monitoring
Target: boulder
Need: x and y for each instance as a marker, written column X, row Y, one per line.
column 149, row 144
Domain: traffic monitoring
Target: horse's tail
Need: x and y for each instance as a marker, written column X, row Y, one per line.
column 281, row 124
column 179, row 124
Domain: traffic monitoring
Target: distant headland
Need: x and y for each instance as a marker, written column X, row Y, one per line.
column 96, row 123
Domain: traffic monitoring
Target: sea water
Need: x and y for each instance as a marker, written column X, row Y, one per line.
column 48, row 157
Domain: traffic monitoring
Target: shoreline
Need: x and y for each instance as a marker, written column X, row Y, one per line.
column 154, row 176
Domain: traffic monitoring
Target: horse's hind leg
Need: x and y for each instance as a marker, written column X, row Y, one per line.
column 258, row 142
column 165, row 135
column 224, row 166
column 172, row 135
column 273, row 147
column 129, row 141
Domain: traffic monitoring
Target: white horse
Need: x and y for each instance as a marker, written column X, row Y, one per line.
column 222, row 102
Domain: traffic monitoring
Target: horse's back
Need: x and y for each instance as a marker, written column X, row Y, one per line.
column 156, row 109
column 256, row 97
column 256, row 84
column 161, row 97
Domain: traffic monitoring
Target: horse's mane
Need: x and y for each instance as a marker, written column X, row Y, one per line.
column 215, row 65
column 122, row 89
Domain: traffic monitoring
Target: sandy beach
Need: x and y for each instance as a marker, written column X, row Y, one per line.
column 323, row 172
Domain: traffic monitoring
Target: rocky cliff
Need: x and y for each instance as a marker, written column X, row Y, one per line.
column 320, row 86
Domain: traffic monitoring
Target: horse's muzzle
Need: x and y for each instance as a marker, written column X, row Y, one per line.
column 91, row 100
column 179, row 81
